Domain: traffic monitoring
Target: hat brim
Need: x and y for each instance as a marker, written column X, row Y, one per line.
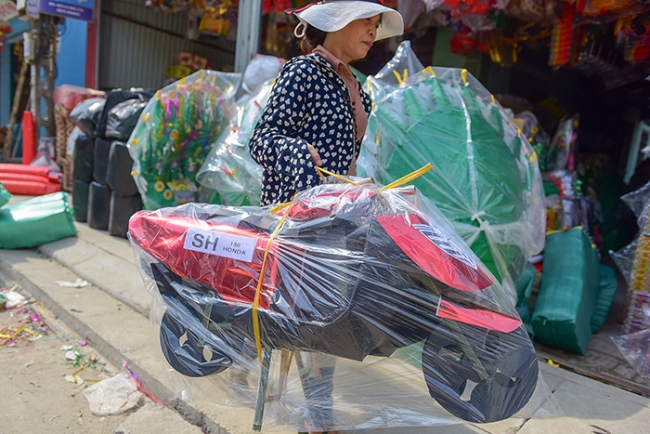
column 331, row 17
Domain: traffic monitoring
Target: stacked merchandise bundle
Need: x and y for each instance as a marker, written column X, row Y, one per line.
column 86, row 116
column 229, row 169
column 574, row 299
column 490, row 188
column 29, row 180
column 104, row 192
column 174, row 135
column 117, row 119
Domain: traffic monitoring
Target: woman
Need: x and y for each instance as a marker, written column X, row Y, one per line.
column 317, row 113
column 316, row 116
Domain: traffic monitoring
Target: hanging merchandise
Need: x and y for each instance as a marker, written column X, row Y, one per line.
column 490, row 187
column 229, row 168
column 174, row 134
column 639, row 284
column 562, row 36
column 367, row 288
column 633, row 37
column 562, row 153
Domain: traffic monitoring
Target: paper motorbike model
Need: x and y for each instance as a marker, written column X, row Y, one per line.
column 354, row 271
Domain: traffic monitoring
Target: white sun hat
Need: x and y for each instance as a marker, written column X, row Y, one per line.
column 332, row 15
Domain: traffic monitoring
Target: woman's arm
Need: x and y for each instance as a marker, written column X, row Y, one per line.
column 275, row 144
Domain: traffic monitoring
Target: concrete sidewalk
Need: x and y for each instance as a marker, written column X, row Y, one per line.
column 117, row 301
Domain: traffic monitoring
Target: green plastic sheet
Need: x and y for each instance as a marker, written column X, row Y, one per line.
column 175, row 133
column 486, row 179
column 37, row 221
column 5, row 196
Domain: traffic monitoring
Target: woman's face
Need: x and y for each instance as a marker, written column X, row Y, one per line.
column 354, row 40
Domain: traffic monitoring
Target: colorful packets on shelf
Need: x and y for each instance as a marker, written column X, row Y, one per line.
column 174, row 135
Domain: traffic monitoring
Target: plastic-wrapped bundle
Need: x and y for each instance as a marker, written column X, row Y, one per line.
column 83, row 159
column 5, row 196
column 381, row 305
column 102, row 151
column 80, row 198
column 118, row 173
column 486, row 178
column 36, row 221
column 174, row 135
column 229, row 168
column 635, row 347
column 99, row 205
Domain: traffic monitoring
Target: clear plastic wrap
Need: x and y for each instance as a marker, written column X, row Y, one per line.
column 638, row 201
column 635, row 347
column 369, row 306
column 229, row 168
column 174, row 134
column 486, row 178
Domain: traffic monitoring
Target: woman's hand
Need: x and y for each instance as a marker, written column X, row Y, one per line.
column 314, row 155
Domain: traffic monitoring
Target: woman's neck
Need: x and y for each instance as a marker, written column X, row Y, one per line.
column 336, row 51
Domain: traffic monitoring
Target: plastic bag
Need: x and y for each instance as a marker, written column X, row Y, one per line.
column 562, row 153
column 369, row 291
column 229, row 168
column 113, row 395
column 485, row 179
column 123, row 117
column 635, row 347
column 174, row 135
column 86, row 115
column 259, row 71
column 637, row 200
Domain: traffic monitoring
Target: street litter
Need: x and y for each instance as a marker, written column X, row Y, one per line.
column 79, row 283
column 29, row 328
column 10, row 299
column 112, row 396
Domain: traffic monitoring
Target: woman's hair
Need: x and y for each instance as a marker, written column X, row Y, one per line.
column 313, row 38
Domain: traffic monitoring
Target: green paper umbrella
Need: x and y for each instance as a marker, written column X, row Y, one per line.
column 486, row 179
column 174, row 135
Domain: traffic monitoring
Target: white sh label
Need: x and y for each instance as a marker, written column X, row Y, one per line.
column 220, row 244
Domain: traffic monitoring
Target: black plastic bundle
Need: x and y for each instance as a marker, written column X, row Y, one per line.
column 83, row 159
column 86, row 115
column 122, row 208
column 123, row 117
column 80, row 191
column 101, row 154
column 115, row 97
column 118, row 175
column 99, row 203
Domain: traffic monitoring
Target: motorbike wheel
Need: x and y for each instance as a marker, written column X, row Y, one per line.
column 186, row 352
column 510, row 364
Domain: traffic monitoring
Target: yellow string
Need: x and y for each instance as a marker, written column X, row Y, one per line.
column 406, row 74
column 463, row 75
column 322, row 172
column 408, row 178
column 260, row 282
column 429, row 70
